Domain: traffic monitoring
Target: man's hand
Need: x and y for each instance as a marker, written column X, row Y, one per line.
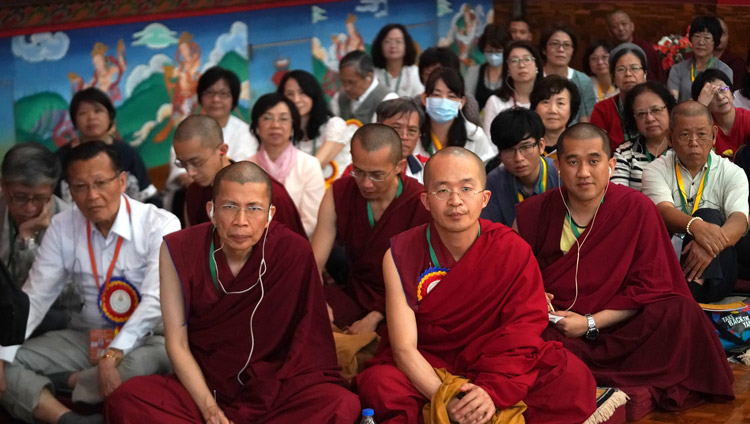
column 709, row 236
column 3, row 386
column 573, row 325
column 697, row 260
column 367, row 324
column 31, row 227
column 475, row 407
column 214, row 415
column 550, row 296
column 108, row 376
column 707, row 93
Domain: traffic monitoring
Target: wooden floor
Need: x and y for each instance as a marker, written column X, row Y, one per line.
column 735, row 412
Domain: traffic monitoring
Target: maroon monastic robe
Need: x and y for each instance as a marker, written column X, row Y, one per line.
column 365, row 245
column 482, row 321
column 196, row 198
column 628, row 262
column 292, row 375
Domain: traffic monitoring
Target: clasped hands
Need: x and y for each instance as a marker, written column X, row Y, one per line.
column 475, row 406
column 708, row 241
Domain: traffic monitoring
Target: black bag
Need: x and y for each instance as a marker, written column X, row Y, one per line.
column 14, row 309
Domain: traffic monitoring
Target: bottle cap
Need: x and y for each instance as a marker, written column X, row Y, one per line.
column 368, row 412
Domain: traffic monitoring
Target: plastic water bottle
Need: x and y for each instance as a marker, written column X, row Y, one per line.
column 368, row 416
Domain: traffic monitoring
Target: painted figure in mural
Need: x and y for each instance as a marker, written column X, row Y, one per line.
column 466, row 27
column 108, row 71
column 181, row 80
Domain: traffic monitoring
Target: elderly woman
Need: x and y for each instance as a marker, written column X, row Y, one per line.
column 484, row 80
column 556, row 100
column 647, row 108
column 705, row 33
column 394, row 56
column 276, row 124
column 596, row 66
column 627, row 62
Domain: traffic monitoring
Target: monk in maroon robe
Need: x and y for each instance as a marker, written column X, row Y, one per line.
column 200, row 149
column 247, row 333
column 361, row 213
column 466, row 295
column 612, row 273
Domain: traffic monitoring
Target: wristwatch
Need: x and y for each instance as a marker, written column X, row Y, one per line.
column 592, row 333
column 27, row 243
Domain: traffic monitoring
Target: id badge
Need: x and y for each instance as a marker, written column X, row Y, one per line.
column 677, row 241
column 99, row 340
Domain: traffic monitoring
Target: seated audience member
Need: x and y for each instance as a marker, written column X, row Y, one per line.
column 522, row 72
column 361, row 93
column 621, row 28
column 218, row 93
column 628, row 66
column 93, row 115
column 445, row 124
column 734, row 61
column 30, row 173
column 612, row 275
column 705, row 33
column 519, row 29
column 406, row 117
column 443, row 57
column 483, row 80
column 647, row 109
column 362, row 212
column 523, row 171
column 442, row 331
column 280, row 370
column 394, row 57
column 276, row 124
column 108, row 245
column 202, row 152
column 742, row 96
column 557, row 46
column 556, row 100
column 712, row 89
column 703, row 198
column 596, row 66
column 324, row 136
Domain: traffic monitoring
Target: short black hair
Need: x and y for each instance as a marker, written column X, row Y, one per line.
column 242, row 172
column 514, row 125
column 91, row 95
column 216, row 73
column 507, row 90
column 268, row 101
column 706, row 23
column 442, row 56
column 520, row 18
column 410, row 52
column 550, row 31
column 319, row 113
column 555, row 84
column 90, row 150
column 583, row 131
column 709, row 75
column 493, row 36
column 398, row 107
column 606, row 45
column 646, row 87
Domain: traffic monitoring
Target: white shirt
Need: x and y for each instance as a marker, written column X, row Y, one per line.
column 64, row 254
column 335, row 130
column 494, row 106
column 741, row 101
column 476, row 142
column 406, row 84
column 356, row 102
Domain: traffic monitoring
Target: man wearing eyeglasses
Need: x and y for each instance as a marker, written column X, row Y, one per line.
column 466, row 310
column 109, row 246
column 200, row 149
column 362, row 213
column 523, row 171
column 703, row 199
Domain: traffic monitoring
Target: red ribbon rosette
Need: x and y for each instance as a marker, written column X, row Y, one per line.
column 118, row 300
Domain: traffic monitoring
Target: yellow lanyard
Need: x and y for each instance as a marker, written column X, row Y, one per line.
column 542, row 187
column 438, row 145
column 692, row 68
column 683, row 196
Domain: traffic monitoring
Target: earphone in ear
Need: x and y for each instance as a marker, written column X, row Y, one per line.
column 270, row 217
column 211, row 212
column 610, row 172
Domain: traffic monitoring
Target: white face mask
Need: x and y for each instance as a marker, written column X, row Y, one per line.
column 494, row 59
column 442, row 110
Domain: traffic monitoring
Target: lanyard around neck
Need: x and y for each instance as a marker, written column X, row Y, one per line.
column 433, row 256
column 370, row 215
column 114, row 257
column 436, row 144
column 692, row 68
column 683, row 195
column 541, row 187
column 398, row 81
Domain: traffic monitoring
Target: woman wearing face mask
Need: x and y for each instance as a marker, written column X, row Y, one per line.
column 627, row 63
column 394, row 55
column 445, row 124
column 596, row 66
column 484, row 80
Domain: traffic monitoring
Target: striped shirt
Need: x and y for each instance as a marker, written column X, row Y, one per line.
column 631, row 159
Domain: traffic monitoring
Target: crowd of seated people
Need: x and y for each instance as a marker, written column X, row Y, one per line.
column 438, row 243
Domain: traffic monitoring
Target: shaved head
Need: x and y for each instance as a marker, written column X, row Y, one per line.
column 373, row 137
column 242, row 172
column 584, row 131
column 457, row 152
column 689, row 109
column 203, row 127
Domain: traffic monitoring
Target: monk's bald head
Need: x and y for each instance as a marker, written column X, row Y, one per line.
column 584, row 131
column 443, row 158
column 242, row 172
column 373, row 137
column 689, row 109
column 201, row 127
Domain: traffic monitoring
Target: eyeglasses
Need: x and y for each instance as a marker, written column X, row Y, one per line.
column 556, row 45
column 722, row 89
column 634, row 69
column 465, row 193
column 411, row 132
column 253, row 211
column 376, row 176
column 686, row 137
column 193, row 163
column 283, row 119
column 98, row 185
column 21, row 200
column 526, row 150
column 696, row 38
column 603, row 58
column 516, row 61
column 642, row 114
column 223, row 94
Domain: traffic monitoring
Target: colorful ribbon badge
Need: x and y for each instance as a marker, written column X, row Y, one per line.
column 118, row 300
column 429, row 279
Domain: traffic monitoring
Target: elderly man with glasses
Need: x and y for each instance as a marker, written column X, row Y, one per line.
column 703, row 199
